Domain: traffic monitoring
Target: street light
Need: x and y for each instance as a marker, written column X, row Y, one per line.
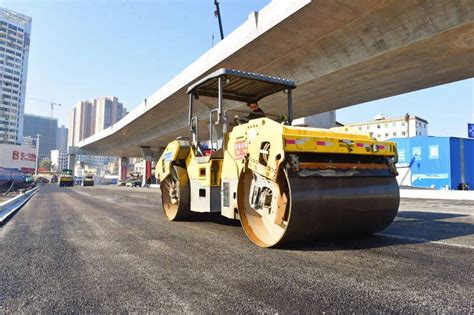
column 37, row 152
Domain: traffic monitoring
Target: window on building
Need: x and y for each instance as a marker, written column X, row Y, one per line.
column 378, row 126
column 386, row 134
column 394, row 134
column 404, row 133
column 403, row 123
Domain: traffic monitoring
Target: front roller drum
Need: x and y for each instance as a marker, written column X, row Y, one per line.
column 295, row 208
column 175, row 195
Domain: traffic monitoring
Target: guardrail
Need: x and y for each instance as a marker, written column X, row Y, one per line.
column 7, row 208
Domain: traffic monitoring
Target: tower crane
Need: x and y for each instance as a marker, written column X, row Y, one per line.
column 49, row 102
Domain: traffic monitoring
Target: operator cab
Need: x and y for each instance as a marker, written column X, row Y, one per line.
column 237, row 86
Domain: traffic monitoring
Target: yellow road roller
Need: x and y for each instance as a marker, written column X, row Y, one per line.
column 65, row 178
column 284, row 183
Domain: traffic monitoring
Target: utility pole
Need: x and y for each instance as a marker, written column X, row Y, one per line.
column 217, row 13
column 37, row 152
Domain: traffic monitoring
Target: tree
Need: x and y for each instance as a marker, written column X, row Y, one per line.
column 45, row 165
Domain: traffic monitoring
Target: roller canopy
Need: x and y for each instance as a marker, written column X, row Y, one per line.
column 240, row 86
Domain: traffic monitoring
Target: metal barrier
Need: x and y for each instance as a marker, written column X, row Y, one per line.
column 9, row 207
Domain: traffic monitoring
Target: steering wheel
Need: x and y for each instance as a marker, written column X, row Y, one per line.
column 240, row 120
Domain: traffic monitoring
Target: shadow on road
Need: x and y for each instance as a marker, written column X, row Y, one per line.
column 212, row 218
column 409, row 227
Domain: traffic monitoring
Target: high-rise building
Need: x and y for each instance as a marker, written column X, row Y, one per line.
column 90, row 117
column 383, row 128
column 108, row 112
column 81, row 122
column 61, row 140
column 15, row 30
column 46, row 127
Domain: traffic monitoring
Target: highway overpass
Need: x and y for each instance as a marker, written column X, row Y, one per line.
column 340, row 53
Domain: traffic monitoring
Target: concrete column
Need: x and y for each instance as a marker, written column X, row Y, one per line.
column 123, row 168
column 71, row 162
column 147, row 155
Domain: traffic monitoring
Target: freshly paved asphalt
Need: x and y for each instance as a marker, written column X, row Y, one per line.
column 110, row 249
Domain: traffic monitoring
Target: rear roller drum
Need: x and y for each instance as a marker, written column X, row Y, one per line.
column 298, row 208
column 175, row 195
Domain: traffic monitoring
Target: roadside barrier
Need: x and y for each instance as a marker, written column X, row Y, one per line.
column 7, row 208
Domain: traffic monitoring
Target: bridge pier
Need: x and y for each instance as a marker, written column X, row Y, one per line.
column 147, row 154
column 123, row 168
column 71, row 163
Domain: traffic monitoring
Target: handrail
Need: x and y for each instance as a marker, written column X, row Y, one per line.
column 194, row 130
column 215, row 110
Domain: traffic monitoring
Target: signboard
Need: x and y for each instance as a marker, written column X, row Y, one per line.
column 416, row 153
column 402, row 156
column 434, row 152
column 240, row 149
column 17, row 156
column 470, row 130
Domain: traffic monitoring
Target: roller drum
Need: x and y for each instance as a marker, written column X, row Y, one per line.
column 340, row 206
column 310, row 208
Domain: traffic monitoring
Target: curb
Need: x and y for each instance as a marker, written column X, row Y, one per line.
column 9, row 207
column 437, row 194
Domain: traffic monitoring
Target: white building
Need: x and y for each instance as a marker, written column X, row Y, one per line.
column 383, row 128
column 15, row 30
column 323, row 120
column 58, row 160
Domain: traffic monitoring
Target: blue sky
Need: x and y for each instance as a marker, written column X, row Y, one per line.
column 85, row 49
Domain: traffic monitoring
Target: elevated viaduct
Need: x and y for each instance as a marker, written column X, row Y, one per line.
column 340, row 53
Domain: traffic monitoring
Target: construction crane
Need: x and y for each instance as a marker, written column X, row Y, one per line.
column 49, row 102
column 217, row 14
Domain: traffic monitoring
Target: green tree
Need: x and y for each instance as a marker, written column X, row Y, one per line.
column 45, row 164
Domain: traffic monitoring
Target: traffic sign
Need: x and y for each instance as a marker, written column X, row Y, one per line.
column 470, row 130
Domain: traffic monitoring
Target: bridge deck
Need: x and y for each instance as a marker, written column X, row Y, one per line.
column 340, row 53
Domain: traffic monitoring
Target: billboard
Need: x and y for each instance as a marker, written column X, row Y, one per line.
column 470, row 130
column 17, row 156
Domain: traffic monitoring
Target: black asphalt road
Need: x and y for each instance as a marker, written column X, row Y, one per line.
column 110, row 249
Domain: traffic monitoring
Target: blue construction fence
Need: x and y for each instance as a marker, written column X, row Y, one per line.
column 437, row 162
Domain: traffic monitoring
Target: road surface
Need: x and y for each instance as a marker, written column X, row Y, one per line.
column 110, row 249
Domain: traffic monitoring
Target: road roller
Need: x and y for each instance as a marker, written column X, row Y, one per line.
column 65, row 178
column 285, row 183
